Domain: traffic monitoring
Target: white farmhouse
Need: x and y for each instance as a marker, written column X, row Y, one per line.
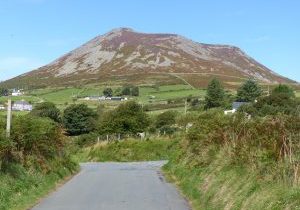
column 17, row 93
column 21, row 106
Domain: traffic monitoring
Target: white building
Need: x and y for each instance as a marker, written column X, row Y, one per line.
column 95, row 98
column 21, row 106
column 2, row 107
column 17, row 93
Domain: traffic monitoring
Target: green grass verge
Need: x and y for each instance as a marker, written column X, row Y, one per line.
column 223, row 186
column 131, row 150
column 26, row 190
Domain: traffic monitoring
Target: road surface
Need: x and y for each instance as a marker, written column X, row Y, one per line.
column 116, row 186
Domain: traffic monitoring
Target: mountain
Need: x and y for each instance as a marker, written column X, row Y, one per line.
column 125, row 56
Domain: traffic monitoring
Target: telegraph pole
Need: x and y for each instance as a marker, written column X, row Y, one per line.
column 8, row 121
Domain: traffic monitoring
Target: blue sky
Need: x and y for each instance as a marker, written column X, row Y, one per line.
column 35, row 32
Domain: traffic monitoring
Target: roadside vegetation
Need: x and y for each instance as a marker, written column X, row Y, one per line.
column 245, row 160
column 32, row 160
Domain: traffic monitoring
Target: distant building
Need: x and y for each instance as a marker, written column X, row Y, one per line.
column 2, row 107
column 21, row 106
column 235, row 107
column 95, row 98
column 118, row 99
column 17, row 93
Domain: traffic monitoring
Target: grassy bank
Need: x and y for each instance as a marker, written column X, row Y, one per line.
column 35, row 158
column 229, row 162
column 223, row 186
column 26, row 188
column 130, row 150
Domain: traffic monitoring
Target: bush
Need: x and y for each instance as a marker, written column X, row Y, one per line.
column 79, row 119
column 269, row 141
column 47, row 109
column 284, row 89
column 86, row 139
column 108, row 92
column 165, row 119
column 127, row 118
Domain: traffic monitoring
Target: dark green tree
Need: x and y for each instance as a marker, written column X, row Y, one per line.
column 165, row 119
column 135, row 91
column 4, row 92
column 128, row 118
column 79, row 119
column 47, row 109
column 249, row 92
column 126, row 91
column 118, row 92
column 285, row 90
column 215, row 95
column 108, row 92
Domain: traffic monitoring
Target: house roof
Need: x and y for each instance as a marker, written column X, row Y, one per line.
column 21, row 103
column 236, row 105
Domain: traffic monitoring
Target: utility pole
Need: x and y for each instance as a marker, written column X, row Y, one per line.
column 8, row 121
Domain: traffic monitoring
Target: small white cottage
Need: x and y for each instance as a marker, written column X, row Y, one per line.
column 21, row 106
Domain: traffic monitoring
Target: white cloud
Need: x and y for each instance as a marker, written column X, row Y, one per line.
column 16, row 65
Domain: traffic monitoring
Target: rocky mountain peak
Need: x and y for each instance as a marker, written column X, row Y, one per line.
column 122, row 51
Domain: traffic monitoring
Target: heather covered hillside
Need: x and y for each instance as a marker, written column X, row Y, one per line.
column 123, row 55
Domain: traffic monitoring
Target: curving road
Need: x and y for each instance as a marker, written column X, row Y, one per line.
column 116, row 186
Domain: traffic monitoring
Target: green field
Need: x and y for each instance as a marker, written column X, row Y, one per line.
column 63, row 97
column 29, row 98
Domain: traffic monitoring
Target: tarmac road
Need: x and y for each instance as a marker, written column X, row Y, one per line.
column 116, row 186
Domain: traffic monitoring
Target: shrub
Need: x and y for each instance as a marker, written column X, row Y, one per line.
column 33, row 143
column 269, row 142
column 284, row 89
column 127, row 118
column 108, row 92
column 165, row 119
column 47, row 109
column 79, row 119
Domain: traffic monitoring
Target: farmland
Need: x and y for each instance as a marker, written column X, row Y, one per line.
column 158, row 96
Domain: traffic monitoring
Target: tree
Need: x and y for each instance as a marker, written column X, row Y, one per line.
column 118, row 92
column 47, row 109
column 215, row 95
column 108, row 92
column 249, row 92
column 126, row 91
column 165, row 119
column 135, row 91
column 79, row 119
column 4, row 92
column 285, row 90
column 128, row 118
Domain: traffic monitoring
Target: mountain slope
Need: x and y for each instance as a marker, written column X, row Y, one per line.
column 125, row 56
